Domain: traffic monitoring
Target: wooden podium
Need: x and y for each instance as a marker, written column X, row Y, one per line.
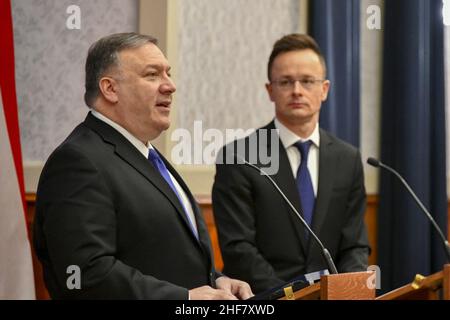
column 344, row 286
column 361, row 286
column 423, row 288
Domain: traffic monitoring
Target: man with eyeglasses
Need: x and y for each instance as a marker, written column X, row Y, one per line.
column 262, row 241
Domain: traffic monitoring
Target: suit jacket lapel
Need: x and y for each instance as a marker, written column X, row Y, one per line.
column 286, row 181
column 127, row 152
column 327, row 171
column 201, row 226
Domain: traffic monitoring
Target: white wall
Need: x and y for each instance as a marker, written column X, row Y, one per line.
column 49, row 62
column 223, row 48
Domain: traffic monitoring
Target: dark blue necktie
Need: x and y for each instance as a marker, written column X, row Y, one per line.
column 304, row 182
column 157, row 162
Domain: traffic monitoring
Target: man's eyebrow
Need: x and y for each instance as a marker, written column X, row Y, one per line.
column 156, row 66
column 304, row 76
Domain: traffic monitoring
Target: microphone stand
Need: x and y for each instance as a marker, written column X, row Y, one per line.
column 376, row 163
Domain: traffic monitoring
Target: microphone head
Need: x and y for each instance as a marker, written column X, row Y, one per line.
column 373, row 162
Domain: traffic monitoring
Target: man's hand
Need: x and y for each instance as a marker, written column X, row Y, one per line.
column 208, row 293
column 239, row 289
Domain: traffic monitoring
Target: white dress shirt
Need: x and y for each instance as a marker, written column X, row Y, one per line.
column 144, row 149
column 288, row 139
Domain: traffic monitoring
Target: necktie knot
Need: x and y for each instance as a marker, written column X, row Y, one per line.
column 157, row 162
column 153, row 156
column 303, row 147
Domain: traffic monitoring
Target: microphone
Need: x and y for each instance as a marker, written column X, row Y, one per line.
column 376, row 163
column 325, row 253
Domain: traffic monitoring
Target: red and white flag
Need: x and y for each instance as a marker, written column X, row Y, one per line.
column 16, row 268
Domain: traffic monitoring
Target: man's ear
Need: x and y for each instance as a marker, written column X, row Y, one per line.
column 108, row 88
column 325, row 89
column 269, row 89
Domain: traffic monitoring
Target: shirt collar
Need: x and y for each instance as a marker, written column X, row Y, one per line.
column 288, row 138
column 133, row 140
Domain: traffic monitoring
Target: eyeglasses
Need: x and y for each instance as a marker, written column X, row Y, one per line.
column 289, row 84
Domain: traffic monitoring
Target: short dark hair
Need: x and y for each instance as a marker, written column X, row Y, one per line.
column 103, row 55
column 293, row 42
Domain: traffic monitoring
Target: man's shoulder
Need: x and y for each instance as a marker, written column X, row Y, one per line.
column 342, row 146
column 81, row 138
column 260, row 138
column 82, row 142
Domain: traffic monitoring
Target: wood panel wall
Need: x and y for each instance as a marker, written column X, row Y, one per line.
column 205, row 204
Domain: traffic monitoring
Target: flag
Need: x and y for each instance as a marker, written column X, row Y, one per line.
column 16, row 268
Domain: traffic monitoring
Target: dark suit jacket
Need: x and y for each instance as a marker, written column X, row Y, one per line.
column 102, row 206
column 263, row 242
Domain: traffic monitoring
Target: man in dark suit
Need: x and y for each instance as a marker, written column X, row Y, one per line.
column 262, row 241
column 109, row 206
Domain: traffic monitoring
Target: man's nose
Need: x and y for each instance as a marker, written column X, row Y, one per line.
column 298, row 88
column 168, row 86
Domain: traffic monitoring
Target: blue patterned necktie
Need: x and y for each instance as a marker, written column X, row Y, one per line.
column 304, row 182
column 157, row 162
